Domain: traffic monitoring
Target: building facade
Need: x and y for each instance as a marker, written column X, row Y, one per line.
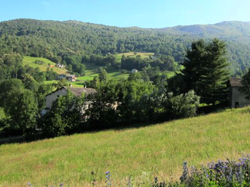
column 236, row 98
column 50, row 98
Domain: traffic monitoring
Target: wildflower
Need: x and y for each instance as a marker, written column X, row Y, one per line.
column 108, row 177
column 185, row 172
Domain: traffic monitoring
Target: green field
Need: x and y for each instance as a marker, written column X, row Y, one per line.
column 27, row 60
column 133, row 54
column 139, row 153
column 92, row 71
column 78, row 84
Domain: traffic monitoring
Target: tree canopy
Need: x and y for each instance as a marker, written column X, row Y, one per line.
column 205, row 70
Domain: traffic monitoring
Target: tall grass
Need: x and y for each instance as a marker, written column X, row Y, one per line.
column 137, row 154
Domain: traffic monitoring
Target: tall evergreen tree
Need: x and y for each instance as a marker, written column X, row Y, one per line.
column 206, row 71
column 216, row 73
column 193, row 63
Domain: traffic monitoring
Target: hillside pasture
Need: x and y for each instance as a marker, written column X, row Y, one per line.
column 133, row 54
column 139, row 153
column 30, row 61
column 92, row 71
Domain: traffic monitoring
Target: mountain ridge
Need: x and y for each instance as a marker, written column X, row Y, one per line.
column 54, row 39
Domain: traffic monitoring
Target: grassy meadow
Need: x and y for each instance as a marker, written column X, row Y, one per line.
column 27, row 60
column 92, row 71
column 137, row 153
column 133, row 54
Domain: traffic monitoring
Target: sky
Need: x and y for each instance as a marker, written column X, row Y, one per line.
column 127, row 13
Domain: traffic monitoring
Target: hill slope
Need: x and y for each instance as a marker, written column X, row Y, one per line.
column 228, row 29
column 139, row 153
column 57, row 40
column 30, row 61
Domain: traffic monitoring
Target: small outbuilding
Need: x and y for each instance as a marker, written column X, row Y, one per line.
column 236, row 98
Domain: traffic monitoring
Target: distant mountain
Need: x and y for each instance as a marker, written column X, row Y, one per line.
column 57, row 40
column 234, row 30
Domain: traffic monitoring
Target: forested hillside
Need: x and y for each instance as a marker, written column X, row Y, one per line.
column 233, row 30
column 73, row 42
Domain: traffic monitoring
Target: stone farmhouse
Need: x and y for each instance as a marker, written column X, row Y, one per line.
column 236, row 98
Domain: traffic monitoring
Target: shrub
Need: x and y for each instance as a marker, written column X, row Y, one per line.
column 223, row 173
column 181, row 106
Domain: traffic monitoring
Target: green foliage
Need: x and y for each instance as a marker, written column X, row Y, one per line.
column 41, row 93
column 102, row 113
column 73, row 43
column 9, row 92
column 205, row 71
column 246, row 85
column 135, row 100
column 64, row 117
column 2, row 114
column 181, row 106
column 25, row 112
column 10, row 65
column 103, row 75
column 40, row 62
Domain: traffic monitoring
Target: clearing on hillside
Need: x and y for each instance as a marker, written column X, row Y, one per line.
column 133, row 54
column 30, row 61
column 92, row 71
column 137, row 153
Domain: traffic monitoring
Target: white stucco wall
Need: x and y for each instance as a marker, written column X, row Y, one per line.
column 54, row 96
column 237, row 96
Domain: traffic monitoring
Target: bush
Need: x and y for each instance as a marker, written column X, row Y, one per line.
column 181, row 106
column 64, row 117
column 40, row 62
column 2, row 114
column 223, row 173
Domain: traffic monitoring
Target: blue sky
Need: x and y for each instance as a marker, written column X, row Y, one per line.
column 125, row 13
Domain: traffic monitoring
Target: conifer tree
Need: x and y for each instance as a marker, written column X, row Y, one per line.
column 206, row 71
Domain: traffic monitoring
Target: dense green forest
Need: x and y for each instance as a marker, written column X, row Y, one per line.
column 73, row 43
